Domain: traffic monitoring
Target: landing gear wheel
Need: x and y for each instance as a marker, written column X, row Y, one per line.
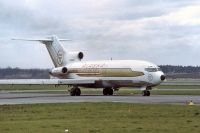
column 75, row 92
column 146, row 93
column 107, row 91
column 72, row 92
column 110, row 92
column 78, row 91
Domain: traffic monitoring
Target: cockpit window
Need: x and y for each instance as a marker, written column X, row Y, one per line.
column 159, row 69
column 151, row 69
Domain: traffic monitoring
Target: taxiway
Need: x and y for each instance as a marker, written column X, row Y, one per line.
column 51, row 97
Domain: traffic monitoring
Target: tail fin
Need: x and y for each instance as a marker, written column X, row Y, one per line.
column 56, row 50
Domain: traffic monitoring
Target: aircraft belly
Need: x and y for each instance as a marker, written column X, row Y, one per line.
column 119, row 83
column 127, row 83
column 115, row 84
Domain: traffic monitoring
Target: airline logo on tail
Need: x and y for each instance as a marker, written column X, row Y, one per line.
column 60, row 57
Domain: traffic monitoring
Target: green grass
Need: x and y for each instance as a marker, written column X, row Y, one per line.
column 99, row 117
column 175, row 92
column 159, row 90
column 32, row 87
column 178, row 87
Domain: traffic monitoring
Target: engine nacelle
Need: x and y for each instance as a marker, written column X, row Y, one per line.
column 59, row 71
column 75, row 56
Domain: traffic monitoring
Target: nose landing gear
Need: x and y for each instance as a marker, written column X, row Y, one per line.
column 147, row 92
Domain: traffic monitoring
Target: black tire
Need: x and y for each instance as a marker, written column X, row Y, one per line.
column 72, row 92
column 105, row 92
column 148, row 93
column 110, row 92
column 144, row 93
column 78, row 92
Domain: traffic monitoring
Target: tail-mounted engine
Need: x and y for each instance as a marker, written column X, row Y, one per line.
column 75, row 56
column 59, row 71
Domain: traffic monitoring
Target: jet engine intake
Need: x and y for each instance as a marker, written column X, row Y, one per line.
column 59, row 71
column 74, row 56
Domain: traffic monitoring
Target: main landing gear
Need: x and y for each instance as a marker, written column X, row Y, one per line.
column 75, row 91
column 107, row 91
column 147, row 92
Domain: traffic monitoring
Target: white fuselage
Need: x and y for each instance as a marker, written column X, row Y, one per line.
column 115, row 73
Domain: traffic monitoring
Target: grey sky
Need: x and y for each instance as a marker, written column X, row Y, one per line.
column 160, row 31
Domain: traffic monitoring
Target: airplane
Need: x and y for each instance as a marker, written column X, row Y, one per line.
column 107, row 74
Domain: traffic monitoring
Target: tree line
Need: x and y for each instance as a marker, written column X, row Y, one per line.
column 18, row 73
column 169, row 70
column 181, row 71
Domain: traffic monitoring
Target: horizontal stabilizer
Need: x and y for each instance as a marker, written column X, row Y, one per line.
column 47, row 39
column 40, row 40
column 55, row 48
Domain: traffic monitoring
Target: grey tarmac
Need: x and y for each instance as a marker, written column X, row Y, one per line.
column 46, row 97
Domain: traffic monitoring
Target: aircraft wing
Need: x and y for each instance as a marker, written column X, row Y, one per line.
column 46, row 81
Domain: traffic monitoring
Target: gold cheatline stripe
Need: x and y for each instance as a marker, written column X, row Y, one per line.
column 106, row 72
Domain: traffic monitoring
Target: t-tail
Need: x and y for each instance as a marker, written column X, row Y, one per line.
column 59, row 55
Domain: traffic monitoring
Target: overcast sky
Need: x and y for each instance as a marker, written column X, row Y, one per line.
column 159, row 31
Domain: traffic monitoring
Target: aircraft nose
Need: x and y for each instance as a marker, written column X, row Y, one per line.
column 162, row 77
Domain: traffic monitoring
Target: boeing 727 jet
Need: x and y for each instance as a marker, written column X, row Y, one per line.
column 107, row 74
